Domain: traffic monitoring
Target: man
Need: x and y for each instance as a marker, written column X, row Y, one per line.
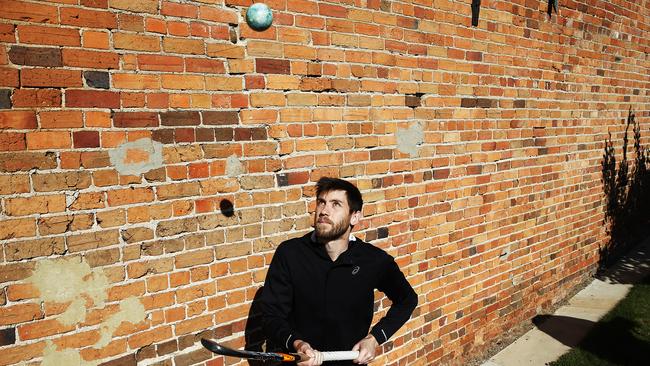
column 319, row 290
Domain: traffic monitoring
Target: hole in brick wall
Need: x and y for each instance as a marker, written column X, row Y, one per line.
column 227, row 208
column 234, row 37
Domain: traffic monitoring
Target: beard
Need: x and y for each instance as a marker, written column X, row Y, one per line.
column 336, row 230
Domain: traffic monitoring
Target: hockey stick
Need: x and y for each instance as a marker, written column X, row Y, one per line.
column 274, row 356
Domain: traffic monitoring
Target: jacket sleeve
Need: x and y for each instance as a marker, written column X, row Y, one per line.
column 403, row 298
column 276, row 302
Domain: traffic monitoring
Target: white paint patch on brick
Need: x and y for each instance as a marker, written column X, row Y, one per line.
column 131, row 311
column 137, row 157
column 234, row 167
column 53, row 357
column 409, row 139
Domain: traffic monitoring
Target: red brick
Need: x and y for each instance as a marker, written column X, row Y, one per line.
column 184, row 45
column 101, row 4
column 51, row 78
column 218, row 14
column 130, row 22
column 35, row 56
column 155, row 25
column 134, row 41
column 28, row 12
column 36, row 98
column 180, row 118
column 90, row 59
column 20, row 120
column 55, row 36
column 10, row 141
column 179, row 10
column 271, row 66
column 61, row 119
column 8, row 33
column 9, row 76
column 135, row 119
column 48, row 140
column 95, row 39
column 160, row 63
column 204, row 66
column 85, row 139
column 92, row 99
column 332, row 10
column 142, row 6
column 88, row 18
column 178, row 29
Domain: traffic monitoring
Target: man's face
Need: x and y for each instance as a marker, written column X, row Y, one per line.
column 333, row 218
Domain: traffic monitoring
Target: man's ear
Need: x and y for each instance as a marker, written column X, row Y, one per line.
column 355, row 218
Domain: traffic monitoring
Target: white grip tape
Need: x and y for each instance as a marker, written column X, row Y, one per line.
column 340, row 355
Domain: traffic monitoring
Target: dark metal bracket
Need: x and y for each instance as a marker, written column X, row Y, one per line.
column 476, row 9
column 552, row 4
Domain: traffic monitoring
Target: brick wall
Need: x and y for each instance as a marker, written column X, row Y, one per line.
column 154, row 153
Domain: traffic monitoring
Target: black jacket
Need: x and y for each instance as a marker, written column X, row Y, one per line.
column 330, row 304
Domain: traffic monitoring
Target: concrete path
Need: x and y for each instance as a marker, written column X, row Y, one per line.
column 554, row 335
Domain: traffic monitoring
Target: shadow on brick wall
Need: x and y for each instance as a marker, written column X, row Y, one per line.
column 627, row 194
column 254, row 334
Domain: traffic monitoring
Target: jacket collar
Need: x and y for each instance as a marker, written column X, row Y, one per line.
column 347, row 257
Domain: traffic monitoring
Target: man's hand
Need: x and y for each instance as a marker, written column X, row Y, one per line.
column 367, row 348
column 315, row 357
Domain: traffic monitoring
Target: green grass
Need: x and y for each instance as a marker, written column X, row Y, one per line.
column 622, row 337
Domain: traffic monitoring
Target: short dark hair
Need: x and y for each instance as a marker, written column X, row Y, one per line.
column 326, row 184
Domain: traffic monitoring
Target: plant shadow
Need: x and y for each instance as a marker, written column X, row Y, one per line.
column 626, row 185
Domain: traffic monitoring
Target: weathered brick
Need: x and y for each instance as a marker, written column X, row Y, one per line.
column 55, row 36
column 20, row 313
column 51, row 78
column 94, row 240
column 134, row 235
column 144, row 6
column 174, row 227
column 35, row 204
column 29, row 12
column 35, row 56
column 24, row 161
column 61, row 181
column 17, row 228
column 127, row 196
column 19, row 250
column 88, row 18
column 36, row 98
column 10, row 141
column 65, row 223
column 90, row 59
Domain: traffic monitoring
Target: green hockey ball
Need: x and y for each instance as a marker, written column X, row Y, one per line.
column 259, row 17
